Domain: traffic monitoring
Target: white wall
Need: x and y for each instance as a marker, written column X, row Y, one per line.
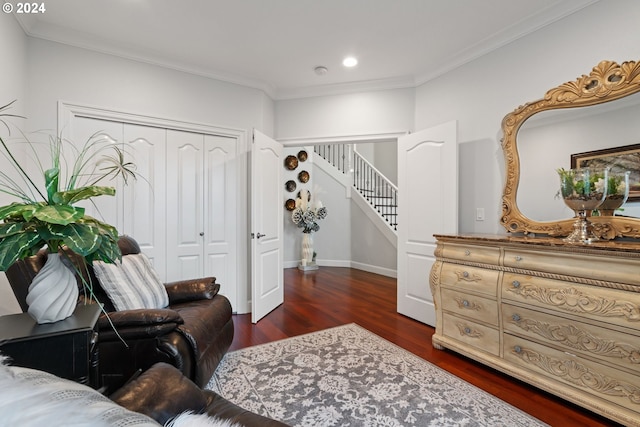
column 387, row 159
column 370, row 249
column 372, row 113
column 60, row 72
column 14, row 63
column 13, row 85
column 344, row 116
column 383, row 155
column 478, row 163
column 481, row 93
column 293, row 234
column 332, row 242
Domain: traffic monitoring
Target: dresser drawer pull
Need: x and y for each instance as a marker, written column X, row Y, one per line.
column 467, row 330
column 465, row 274
column 517, row 349
column 467, row 252
column 515, row 284
column 516, row 317
column 518, row 258
column 465, row 303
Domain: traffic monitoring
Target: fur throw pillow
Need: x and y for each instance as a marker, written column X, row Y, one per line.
column 189, row 419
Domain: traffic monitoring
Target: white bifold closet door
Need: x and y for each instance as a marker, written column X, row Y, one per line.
column 182, row 208
column 201, row 198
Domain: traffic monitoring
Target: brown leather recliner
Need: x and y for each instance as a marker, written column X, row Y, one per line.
column 193, row 333
column 163, row 393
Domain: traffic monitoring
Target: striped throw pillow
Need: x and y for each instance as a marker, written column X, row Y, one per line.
column 132, row 284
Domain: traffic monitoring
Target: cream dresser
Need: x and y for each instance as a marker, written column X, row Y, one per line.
column 565, row 318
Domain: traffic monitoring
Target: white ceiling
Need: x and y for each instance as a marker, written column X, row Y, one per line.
column 274, row 45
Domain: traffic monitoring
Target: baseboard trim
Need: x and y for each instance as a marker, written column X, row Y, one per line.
column 383, row 271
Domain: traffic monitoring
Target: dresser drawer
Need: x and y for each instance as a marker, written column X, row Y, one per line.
column 598, row 380
column 597, row 342
column 471, row 253
column 610, row 269
column 599, row 304
column 479, row 336
column 470, row 278
column 477, row 308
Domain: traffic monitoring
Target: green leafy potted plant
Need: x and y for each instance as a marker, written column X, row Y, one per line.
column 46, row 216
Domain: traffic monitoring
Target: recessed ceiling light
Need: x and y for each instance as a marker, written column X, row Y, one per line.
column 350, row 61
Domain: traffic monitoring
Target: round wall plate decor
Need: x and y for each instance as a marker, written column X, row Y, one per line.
column 302, row 155
column 290, row 185
column 303, row 176
column 290, row 204
column 291, row 162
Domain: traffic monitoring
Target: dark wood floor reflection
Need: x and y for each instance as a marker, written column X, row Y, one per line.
column 333, row 296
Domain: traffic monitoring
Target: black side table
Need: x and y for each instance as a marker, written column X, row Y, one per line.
column 68, row 348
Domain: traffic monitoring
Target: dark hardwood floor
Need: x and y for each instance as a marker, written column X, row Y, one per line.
column 333, row 296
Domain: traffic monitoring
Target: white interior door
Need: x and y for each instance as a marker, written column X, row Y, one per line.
column 144, row 198
column 221, row 213
column 185, row 196
column 428, row 205
column 138, row 209
column 267, row 276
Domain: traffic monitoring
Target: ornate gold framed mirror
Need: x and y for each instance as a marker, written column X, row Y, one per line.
column 590, row 100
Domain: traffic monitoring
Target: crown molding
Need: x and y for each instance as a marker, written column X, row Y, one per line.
column 342, row 139
column 345, row 88
column 33, row 27
column 502, row 38
column 37, row 29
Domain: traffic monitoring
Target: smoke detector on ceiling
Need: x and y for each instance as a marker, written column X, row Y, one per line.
column 321, row 71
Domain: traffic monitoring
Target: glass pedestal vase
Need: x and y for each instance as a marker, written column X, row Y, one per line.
column 617, row 193
column 307, row 262
column 583, row 190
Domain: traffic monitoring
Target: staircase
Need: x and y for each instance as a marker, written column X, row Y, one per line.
column 380, row 193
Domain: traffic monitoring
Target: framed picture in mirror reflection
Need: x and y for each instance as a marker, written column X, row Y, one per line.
column 619, row 159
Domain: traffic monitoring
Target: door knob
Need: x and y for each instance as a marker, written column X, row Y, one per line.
column 259, row 235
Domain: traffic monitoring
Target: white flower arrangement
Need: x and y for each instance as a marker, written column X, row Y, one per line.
column 308, row 212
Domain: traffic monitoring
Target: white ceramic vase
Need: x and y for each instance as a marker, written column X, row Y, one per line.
column 307, row 248
column 53, row 293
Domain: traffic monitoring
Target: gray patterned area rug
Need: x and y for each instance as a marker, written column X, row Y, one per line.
column 348, row 376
